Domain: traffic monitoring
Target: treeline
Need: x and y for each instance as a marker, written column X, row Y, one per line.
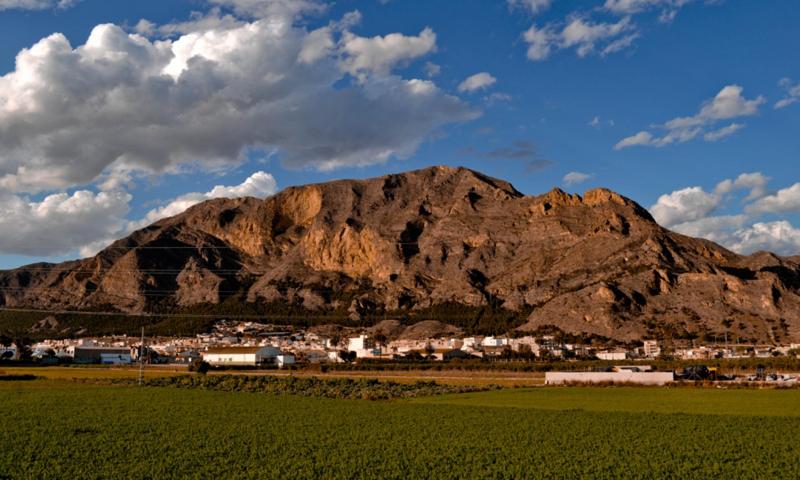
column 731, row 365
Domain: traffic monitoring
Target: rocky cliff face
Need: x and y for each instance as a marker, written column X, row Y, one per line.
column 595, row 264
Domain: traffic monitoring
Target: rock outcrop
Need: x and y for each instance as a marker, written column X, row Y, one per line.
column 593, row 264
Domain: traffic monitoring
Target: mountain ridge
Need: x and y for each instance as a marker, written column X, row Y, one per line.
column 413, row 242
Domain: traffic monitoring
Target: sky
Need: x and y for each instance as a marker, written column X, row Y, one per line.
column 116, row 114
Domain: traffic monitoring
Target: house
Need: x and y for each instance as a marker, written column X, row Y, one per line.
column 240, row 356
column 364, row 346
column 284, row 360
column 494, row 342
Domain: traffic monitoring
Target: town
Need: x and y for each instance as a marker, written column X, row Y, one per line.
column 237, row 344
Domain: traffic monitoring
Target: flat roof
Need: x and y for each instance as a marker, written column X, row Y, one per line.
column 235, row 349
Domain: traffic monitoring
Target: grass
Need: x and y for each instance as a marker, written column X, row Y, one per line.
column 684, row 400
column 61, row 429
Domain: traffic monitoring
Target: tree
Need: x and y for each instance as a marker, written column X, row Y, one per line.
column 199, row 366
column 347, row 356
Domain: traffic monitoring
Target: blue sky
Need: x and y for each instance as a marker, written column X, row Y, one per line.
column 686, row 106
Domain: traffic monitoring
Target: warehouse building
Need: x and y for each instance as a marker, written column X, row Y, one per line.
column 241, row 356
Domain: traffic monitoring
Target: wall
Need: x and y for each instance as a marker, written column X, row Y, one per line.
column 643, row 378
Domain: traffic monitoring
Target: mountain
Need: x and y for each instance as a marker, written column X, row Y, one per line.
column 435, row 243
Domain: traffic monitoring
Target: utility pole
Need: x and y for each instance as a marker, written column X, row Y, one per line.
column 141, row 360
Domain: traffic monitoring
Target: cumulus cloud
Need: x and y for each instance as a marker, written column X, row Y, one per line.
column 728, row 104
column 779, row 236
column 68, row 114
column 479, row 81
column 782, row 201
column 684, row 205
column 59, row 223
column 694, row 211
column 260, row 184
column 379, row 54
column 574, row 178
column 792, row 93
column 581, row 34
column 694, row 203
column 35, row 4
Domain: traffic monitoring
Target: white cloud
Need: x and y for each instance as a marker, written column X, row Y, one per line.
column 723, row 132
column 573, row 178
column 380, row 54
column 479, row 81
column 35, row 4
column 59, row 223
column 690, row 211
column 582, row 34
column 259, row 184
column 641, row 138
column 792, row 93
column 533, row 6
column 715, row 228
column 122, row 101
column 755, row 183
column 784, row 200
column 727, row 104
column 779, row 236
column 685, row 205
column 694, row 203
column 87, row 222
column 669, row 8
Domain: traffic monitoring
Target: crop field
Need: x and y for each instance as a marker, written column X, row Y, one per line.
column 61, row 429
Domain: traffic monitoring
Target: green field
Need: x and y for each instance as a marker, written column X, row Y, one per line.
column 60, row 429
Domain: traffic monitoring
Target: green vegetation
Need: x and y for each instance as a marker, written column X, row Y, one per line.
column 65, row 429
column 346, row 388
column 685, row 400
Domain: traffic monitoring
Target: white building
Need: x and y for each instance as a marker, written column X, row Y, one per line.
column 651, row 349
column 361, row 342
column 241, row 356
column 494, row 342
column 612, row 355
column 363, row 346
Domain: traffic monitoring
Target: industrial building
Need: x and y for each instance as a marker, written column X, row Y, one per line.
column 241, row 356
column 102, row 355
